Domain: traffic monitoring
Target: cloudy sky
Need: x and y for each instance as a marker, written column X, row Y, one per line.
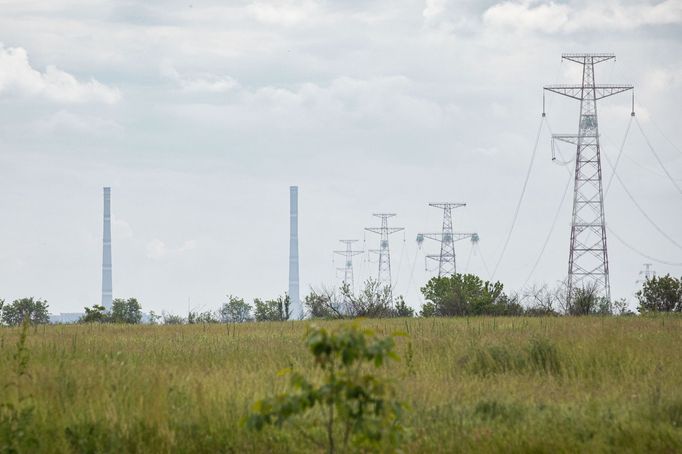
column 200, row 114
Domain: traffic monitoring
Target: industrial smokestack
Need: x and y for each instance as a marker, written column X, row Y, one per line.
column 106, row 252
column 296, row 309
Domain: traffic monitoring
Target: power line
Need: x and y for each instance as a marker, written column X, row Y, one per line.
column 551, row 230
column 632, row 248
column 620, row 152
column 646, row 139
column 665, row 137
column 523, row 193
column 641, row 210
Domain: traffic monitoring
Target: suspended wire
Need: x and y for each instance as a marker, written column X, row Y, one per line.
column 665, row 137
column 400, row 264
column 641, row 210
column 466, row 267
column 518, row 204
column 551, row 230
column 620, row 153
column 485, row 265
column 631, row 247
column 646, row 139
column 414, row 265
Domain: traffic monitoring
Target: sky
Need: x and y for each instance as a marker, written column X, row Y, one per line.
column 201, row 114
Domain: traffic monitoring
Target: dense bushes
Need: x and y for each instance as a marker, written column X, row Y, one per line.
column 466, row 294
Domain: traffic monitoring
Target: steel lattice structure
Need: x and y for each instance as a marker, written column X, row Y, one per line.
column 348, row 255
column 588, row 262
column 384, row 275
column 447, row 263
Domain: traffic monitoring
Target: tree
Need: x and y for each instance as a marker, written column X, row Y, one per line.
column 324, row 304
column 402, row 309
column 272, row 310
column 96, row 314
column 660, row 294
column 154, row 318
column 172, row 319
column 466, row 294
column 543, row 301
column 126, row 311
column 586, row 301
column 235, row 310
column 356, row 406
column 33, row 309
column 195, row 318
column 373, row 301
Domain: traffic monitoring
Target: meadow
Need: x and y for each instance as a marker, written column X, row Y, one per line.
column 554, row 384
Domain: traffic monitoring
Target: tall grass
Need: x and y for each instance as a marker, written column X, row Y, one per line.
column 484, row 384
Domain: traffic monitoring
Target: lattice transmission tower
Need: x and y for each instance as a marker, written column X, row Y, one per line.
column 588, row 261
column 348, row 255
column 384, row 275
column 447, row 263
column 648, row 272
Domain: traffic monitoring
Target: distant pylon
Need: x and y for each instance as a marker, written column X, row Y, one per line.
column 588, row 261
column 348, row 255
column 107, row 293
column 447, row 263
column 647, row 272
column 384, row 275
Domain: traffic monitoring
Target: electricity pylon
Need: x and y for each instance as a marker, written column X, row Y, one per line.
column 588, row 261
column 647, row 272
column 348, row 255
column 384, row 275
column 447, row 263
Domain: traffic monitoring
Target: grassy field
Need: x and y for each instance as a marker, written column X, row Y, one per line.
column 480, row 384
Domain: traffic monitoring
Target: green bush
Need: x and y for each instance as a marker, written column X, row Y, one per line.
column 357, row 406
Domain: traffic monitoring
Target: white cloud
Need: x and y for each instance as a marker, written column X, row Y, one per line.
column 63, row 120
column 282, row 12
column 157, row 249
column 17, row 75
column 552, row 17
column 202, row 83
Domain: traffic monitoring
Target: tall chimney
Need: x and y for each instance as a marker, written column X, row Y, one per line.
column 106, row 252
column 296, row 309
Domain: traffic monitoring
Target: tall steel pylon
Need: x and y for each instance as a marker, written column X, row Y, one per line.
column 447, row 263
column 348, row 255
column 384, row 275
column 588, row 261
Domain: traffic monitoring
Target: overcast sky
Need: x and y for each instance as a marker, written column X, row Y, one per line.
column 200, row 114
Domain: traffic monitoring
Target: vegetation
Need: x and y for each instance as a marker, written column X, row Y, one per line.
column 502, row 384
column 355, row 407
column 466, row 294
column 122, row 311
column 36, row 310
column 235, row 310
column 661, row 294
column 372, row 301
column 276, row 310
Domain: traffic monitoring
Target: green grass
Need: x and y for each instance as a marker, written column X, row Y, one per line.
column 478, row 384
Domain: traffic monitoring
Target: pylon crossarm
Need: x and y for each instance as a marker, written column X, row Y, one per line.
column 463, row 236
column 379, row 230
column 432, row 236
column 349, row 253
column 578, row 91
column 590, row 58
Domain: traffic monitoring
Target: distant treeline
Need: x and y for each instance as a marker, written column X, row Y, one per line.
column 446, row 296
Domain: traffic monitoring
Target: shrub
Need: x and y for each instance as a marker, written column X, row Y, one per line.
column 661, row 294
column 358, row 406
